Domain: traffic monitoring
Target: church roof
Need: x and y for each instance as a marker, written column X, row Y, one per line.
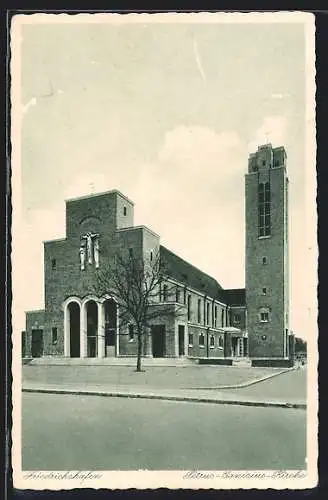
column 235, row 296
column 182, row 271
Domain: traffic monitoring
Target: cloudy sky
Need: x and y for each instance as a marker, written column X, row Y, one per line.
column 167, row 113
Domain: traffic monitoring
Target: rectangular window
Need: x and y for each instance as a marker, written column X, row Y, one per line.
column 131, row 332
column 189, row 307
column 264, row 317
column 221, row 341
column 212, row 341
column 184, row 295
column 199, row 314
column 151, row 256
column 165, row 293
column 222, row 317
column 264, row 291
column 177, row 294
column 190, row 339
column 207, row 313
column 215, row 315
column 264, row 209
column 236, row 319
column 201, row 340
column 124, row 210
column 264, row 260
column 54, row 335
column 53, row 264
column 130, row 252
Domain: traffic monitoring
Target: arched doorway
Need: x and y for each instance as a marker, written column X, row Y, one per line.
column 92, row 328
column 110, row 312
column 74, row 329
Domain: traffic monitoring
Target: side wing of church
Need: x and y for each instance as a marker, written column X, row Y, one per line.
column 212, row 322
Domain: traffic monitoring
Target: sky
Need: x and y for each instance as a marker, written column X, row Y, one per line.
column 167, row 113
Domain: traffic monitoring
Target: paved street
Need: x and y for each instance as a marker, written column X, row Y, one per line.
column 290, row 385
column 67, row 432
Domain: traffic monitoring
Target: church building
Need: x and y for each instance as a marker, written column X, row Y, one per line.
column 213, row 324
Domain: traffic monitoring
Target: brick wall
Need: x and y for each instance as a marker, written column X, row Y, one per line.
column 266, row 339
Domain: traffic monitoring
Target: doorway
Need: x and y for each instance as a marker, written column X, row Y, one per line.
column 181, row 340
column 158, row 340
column 37, row 343
column 110, row 309
column 92, row 328
column 74, row 329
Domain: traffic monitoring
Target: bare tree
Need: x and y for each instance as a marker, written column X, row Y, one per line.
column 138, row 286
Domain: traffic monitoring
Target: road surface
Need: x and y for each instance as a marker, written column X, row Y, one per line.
column 69, row 432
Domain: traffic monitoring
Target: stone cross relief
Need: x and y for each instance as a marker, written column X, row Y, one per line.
column 89, row 250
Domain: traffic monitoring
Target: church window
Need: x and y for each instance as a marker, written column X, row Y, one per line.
column 222, row 317
column 189, row 307
column 207, row 313
column 264, row 315
column 190, row 339
column 53, row 264
column 236, row 319
column 199, row 319
column 131, row 332
column 124, row 210
column 151, row 255
column 220, row 341
column 215, row 315
column 54, row 335
column 212, row 341
column 264, row 209
column 201, row 340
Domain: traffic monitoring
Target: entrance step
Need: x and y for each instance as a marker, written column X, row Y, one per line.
column 119, row 361
column 241, row 362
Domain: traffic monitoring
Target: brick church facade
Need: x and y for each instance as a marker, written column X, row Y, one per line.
column 212, row 322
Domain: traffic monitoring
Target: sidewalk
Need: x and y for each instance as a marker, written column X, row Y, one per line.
column 146, row 392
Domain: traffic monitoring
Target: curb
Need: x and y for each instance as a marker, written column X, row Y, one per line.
column 263, row 404
column 245, row 384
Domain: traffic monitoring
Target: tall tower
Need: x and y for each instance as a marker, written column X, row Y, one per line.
column 267, row 273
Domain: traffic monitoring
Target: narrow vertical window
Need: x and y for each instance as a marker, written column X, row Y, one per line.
column 264, row 209
column 124, row 210
column 53, row 264
column 54, row 335
column 131, row 332
column 215, row 315
column 189, row 307
column 201, row 340
column 199, row 311
column 207, row 313
column 165, row 293
column 177, row 294
column 212, row 341
column 222, row 317
column 151, row 256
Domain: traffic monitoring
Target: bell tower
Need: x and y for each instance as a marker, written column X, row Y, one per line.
column 266, row 262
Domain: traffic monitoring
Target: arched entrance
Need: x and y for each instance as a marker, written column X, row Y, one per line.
column 110, row 313
column 92, row 328
column 74, row 329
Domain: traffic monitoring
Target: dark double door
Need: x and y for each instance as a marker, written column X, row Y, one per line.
column 158, row 340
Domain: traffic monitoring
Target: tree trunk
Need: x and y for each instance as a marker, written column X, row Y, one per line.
column 139, row 352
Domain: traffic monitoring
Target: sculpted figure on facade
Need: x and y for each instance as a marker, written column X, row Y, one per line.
column 82, row 257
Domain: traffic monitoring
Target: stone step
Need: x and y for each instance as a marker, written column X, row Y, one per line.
column 242, row 362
